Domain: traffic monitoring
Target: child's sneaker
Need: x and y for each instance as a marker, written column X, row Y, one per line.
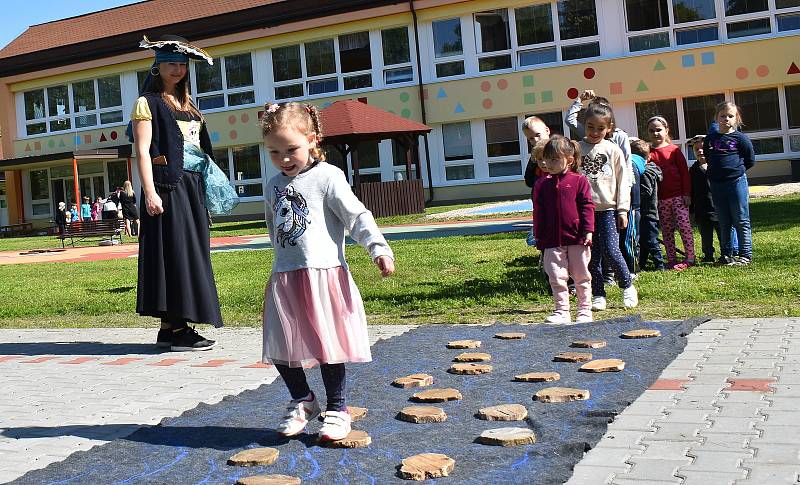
column 558, row 317
column 298, row 413
column 584, row 316
column 599, row 303
column 336, row 425
column 630, row 297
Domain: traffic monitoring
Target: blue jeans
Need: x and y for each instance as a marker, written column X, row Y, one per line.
column 731, row 201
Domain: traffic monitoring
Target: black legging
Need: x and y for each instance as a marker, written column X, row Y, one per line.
column 333, row 376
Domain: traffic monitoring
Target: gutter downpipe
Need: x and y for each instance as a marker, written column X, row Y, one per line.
column 422, row 100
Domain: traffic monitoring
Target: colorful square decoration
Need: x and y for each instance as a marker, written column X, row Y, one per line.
column 687, row 60
column 615, row 88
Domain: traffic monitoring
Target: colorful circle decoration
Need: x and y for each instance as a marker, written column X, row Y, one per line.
column 487, row 103
column 232, row 119
column 588, row 73
column 233, row 134
column 406, row 113
column 762, row 70
column 502, row 84
column 404, row 97
column 113, row 135
column 245, row 117
column 742, row 73
column 572, row 93
column 486, row 86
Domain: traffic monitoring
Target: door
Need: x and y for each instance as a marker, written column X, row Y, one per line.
column 3, row 205
column 57, row 186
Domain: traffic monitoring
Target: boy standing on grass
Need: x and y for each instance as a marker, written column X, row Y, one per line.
column 648, row 208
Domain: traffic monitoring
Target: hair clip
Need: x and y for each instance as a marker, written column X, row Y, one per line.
column 273, row 108
column 309, row 108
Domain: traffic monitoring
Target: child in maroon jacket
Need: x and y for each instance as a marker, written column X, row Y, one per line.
column 564, row 222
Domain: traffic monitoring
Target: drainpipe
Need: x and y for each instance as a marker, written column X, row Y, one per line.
column 422, row 101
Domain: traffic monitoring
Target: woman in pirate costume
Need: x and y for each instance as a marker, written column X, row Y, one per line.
column 180, row 184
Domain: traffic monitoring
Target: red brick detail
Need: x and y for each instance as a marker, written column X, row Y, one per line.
column 80, row 360
column 167, row 362
column 5, row 358
column 668, row 385
column 756, row 385
column 257, row 365
column 123, row 361
column 39, row 360
column 215, row 363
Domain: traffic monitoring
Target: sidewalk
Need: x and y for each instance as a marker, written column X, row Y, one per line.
column 723, row 412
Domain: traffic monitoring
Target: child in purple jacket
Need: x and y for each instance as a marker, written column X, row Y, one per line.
column 564, row 222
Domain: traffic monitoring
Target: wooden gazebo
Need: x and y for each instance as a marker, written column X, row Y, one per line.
column 346, row 123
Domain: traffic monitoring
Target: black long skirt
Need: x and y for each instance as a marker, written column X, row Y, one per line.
column 176, row 281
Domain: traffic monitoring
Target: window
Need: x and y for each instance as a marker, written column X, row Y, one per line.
column 354, row 56
column 760, row 109
column 787, row 3
column 793, row 105
column 699, row 112
column 40, row 192
column 577, row 18
column 738, row 7
column 693, row 10
column 458, row 155
column 492, row 37
column 242, row 165
column 748, row 28
column 646, row 14
column 667, row 108
column 768, row 146
column 502, row 147
column 86, row 103
column 447, row 47
column 788, row 22
column 553, row 120
column 117, row 174
column 399, row 160
column 648, row 42
column 396, row 56
column 696, row 35
column 229, row 82
column 287, row 66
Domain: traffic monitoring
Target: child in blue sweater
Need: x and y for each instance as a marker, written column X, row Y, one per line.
column 730, row 154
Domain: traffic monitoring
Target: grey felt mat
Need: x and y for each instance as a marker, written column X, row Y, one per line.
column 194, row 448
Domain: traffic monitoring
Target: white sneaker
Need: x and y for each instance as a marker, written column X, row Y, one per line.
column 298, row 413
column 336, row 425
column 558, row 317
column 630, row 297
column 584, row 317
column 599, row 303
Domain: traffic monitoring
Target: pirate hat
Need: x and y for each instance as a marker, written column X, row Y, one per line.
column 171, row 48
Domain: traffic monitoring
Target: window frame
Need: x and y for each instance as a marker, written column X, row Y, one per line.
column 462, row 162
column 225, row 92
column 235, row 183
column 385, row 68
column 505, row 159
column 40, row 202
column 71, row 115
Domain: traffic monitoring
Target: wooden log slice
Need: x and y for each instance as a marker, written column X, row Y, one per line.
column 464, row 344
column 472, row 357
column 603, row 365
column 268, row 480
column 510, row 335
column 538, row 377
column 503, row 412
column 355, row 439
column 437, row 395
column 507, row 437
column 470, row 368
column 588, row 344
column 426, row 465
column 422, row 414
column 254, row 457
column 414, row 380
column 356, row 413
column 573, row 357
column 641, row 333
column 561, row 394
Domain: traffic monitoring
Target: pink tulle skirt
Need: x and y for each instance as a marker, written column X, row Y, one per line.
column 314, row 316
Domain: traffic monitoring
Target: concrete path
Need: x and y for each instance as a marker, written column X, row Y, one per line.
column 239, row 243
column 724, row 412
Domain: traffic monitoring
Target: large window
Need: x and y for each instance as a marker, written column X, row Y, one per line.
column 793, row 105
column 666, row 108
column 503, row 147
column 447, row 47
column 459, row 163
column 760, row 109
column 537, row 42
column 396, row 56
column 40, row 192
column 242, row 165
column 493, row 40
column 229, row 82
column 117, row 174
column 699, row 113
column 82, row 104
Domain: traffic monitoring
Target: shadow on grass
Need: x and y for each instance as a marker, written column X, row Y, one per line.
column 220, row 230
column 775, row 214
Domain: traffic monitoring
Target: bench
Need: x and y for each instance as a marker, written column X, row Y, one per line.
column 82, row 230
column 13, row 230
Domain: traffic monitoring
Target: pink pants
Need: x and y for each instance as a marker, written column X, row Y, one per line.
column 673, row 214
column 562, row 262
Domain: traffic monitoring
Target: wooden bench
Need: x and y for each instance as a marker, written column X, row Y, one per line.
column 13, row 230
column 82, row 230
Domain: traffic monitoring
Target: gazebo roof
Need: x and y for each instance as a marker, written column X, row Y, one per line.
column 350, row 119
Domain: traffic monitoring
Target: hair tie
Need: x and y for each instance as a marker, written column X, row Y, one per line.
column 310, row 109
column 273, row 107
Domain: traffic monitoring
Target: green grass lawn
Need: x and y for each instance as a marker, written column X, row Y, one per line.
column 454, row 279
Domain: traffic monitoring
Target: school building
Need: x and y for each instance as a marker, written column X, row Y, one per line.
column 472, row 70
